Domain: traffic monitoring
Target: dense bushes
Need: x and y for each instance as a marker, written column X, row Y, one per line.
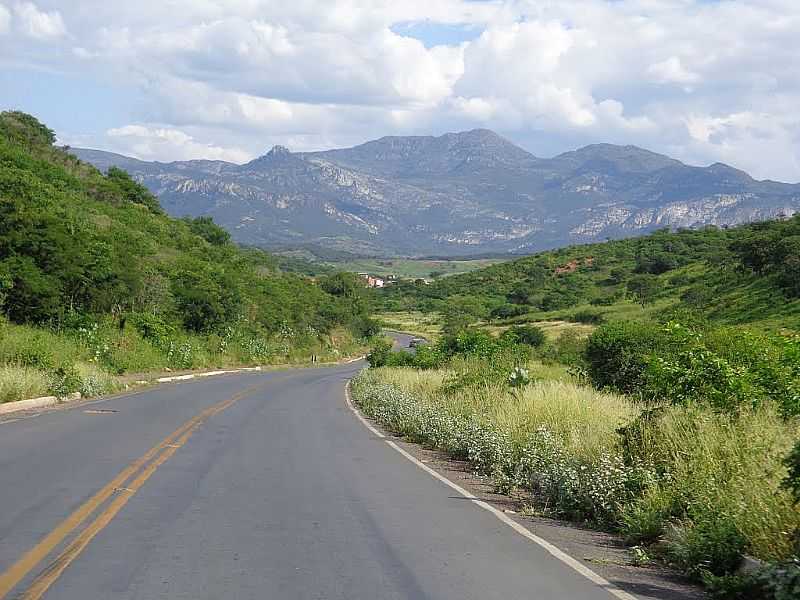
column 557, row 280
column 588, row 317
column 530, row 335
column 511, row 349
column 702, row 472
column 725, row 368
column 773, row 248
column 618, row 354
column 89, row 356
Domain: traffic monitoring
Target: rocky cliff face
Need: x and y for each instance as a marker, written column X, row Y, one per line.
column 457, row 194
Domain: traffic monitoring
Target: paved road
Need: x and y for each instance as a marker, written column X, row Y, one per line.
column 272, row 490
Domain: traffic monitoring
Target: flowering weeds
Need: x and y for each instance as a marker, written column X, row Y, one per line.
column 542, row 463
column 663, row 477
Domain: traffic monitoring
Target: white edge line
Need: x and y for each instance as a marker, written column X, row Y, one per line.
column 522, row 530
column 358, row 414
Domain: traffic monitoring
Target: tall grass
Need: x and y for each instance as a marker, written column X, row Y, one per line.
column 21, row 383
column 723, row 469
column 701, row 487
column 586, row 420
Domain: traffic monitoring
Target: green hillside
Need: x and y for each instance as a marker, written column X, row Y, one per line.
column 743, row 275
column 96, row 278
column 654, row 392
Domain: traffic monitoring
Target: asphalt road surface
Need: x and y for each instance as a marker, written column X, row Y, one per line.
column 254, row 486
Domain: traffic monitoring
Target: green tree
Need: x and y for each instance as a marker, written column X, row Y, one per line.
column 26, row 129
column 208, row 230
column 643, row 288
column 343, row 285
column 530, row 335
column 132, row 191
column 205, row 297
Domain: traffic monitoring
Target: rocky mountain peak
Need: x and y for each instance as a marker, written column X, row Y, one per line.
column 279, row 150
column 623, row 159
column 455, row 194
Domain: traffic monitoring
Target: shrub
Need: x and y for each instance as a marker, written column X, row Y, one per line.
column 588, row 316
column 181, row 355
column 568, row 349
column 558, row 299
column 205, row 298
column 618, row 354
column 712, row 544
column 530, row 335
column 703, row 486
column 507, row 311
column 472, row 373
column 65, row 380
column 774, row 581
column 715, row 465
column 153, row 328
column 656, row 263
column 780, row 580
column 643, row 288
column 792, row 479
column 724, row 368
column 605, row 300
column 643, row 520
column 95, row 382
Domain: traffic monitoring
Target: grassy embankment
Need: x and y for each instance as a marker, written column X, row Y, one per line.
column 97, row 283
column 697, row 491
column 38, row 361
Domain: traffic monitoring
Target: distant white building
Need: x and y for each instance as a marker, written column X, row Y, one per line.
column 373, row 282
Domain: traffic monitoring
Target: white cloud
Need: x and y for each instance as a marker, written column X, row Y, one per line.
column 167, row 144
column 738, row 138
column 37, row 23
column 5, row 19
column 672, row 70
column 704, row 81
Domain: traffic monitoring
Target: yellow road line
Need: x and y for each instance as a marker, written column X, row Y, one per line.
column 35, row 555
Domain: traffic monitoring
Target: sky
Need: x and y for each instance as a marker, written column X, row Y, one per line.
column 703, row 81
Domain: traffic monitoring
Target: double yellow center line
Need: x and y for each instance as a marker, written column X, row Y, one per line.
column 122, row 488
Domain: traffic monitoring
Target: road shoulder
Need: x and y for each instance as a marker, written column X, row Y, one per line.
column 602, row 553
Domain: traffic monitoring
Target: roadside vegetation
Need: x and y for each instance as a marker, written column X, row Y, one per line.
column 97, row 283
column 663, row 404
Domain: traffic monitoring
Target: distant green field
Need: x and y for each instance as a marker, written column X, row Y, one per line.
column 406, row 268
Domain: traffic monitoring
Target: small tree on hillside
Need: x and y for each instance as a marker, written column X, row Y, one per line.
column 643, row 288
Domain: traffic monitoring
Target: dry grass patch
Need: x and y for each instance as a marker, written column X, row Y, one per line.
column 21, row 383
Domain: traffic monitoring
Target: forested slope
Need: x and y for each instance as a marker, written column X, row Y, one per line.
column 747, row 274
column 93, row 260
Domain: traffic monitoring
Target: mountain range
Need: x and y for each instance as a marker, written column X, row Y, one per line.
column 458, row 194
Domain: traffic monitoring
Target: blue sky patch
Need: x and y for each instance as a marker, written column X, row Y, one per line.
column 432, row 33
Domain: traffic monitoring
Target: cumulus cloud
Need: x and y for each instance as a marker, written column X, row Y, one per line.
column 703, row 81
column 163, row 143
column 38, row 23
column 672, row 70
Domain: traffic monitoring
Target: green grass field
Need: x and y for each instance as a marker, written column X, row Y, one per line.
column 427, row 325
column 407, row 268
